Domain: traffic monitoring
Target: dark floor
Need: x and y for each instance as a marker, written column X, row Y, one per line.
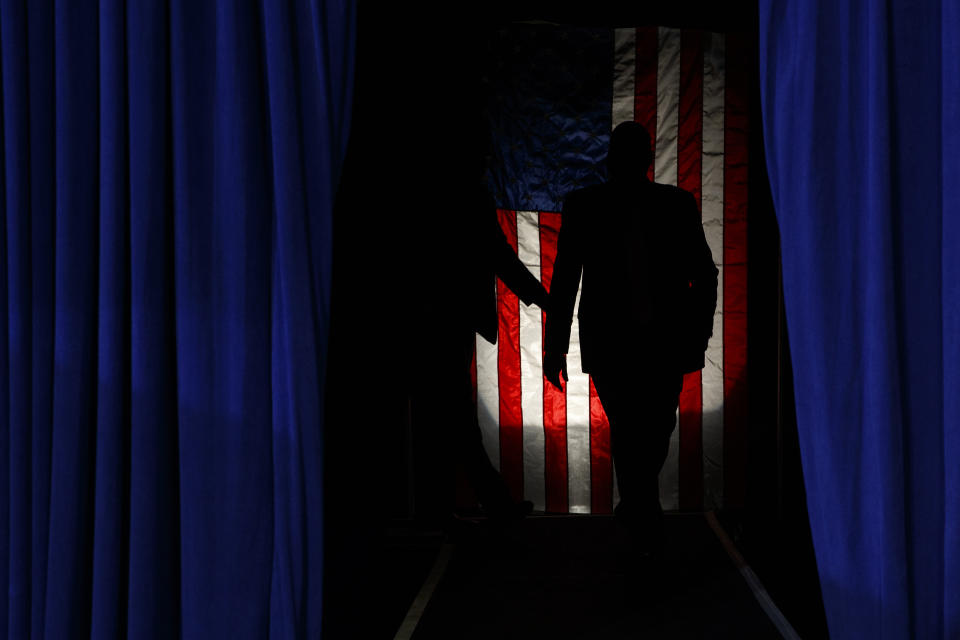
column 781, row 554
column 564, row 577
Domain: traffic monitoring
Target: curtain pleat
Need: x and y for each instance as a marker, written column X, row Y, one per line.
column 860, row 119
column 169, row 171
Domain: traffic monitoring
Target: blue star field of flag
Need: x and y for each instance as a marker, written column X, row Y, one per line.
column 549, row 111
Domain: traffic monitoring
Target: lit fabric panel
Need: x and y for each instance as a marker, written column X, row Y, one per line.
column 675, row 83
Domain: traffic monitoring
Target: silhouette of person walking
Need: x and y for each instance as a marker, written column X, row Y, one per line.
column 464, row 265
column 648, row 296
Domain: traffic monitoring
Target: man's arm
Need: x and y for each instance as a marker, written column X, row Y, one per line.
column 703, row 273
column 515, row 274
column 563, row 292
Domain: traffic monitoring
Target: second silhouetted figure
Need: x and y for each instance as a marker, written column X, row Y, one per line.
column 646, row 310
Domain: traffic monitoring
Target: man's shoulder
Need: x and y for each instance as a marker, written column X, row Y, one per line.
column 670, row 192
column 585, row 194
column 598, row 194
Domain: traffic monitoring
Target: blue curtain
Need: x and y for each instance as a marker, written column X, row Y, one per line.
column 168, row 179
column 861, row 111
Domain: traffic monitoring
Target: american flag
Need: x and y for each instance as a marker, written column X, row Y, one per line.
column 555, row 93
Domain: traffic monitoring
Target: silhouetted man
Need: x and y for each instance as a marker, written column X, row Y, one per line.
column 646, row 311
column 466, row 259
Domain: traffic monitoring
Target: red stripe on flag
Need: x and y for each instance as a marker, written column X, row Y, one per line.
column 645, row 100
column 689, row 163
column 554, row 400
column 735, row 274
column 508, row 368
column 601, row 466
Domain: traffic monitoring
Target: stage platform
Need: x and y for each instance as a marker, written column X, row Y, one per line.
column 564, row 577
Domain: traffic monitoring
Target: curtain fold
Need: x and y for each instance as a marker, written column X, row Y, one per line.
column 950, row 309
column 169, row 172
column 859, row 104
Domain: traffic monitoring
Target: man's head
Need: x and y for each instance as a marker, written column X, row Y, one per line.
column 630, row 152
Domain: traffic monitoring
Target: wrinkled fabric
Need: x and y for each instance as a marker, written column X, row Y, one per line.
column 860, row 113
column 549, row 131
column 168, row 181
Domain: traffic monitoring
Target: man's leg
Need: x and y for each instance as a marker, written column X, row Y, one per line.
column 642, row 413
column 485, row 479
column 658, row 413
column 626, row 442
column 491, row 489
column 433, row 455
column 441, row 407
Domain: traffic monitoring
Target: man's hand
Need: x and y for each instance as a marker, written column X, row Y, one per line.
column 542, row 299
column 554, row 366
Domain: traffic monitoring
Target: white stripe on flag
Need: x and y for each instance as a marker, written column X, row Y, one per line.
column 624, row 75
column 668, row 105
column 578, row 422
column 488, row 399
column 531, row 367
column 712, row 207
column 665, row 171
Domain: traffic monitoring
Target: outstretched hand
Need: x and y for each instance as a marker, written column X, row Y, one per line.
column 542, row 299
column 555, row 366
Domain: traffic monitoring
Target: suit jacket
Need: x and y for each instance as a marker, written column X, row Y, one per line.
column 649, row 283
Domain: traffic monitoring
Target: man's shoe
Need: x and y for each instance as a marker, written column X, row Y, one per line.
column 457, row 529
column 507, row 512
column 645, row 528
